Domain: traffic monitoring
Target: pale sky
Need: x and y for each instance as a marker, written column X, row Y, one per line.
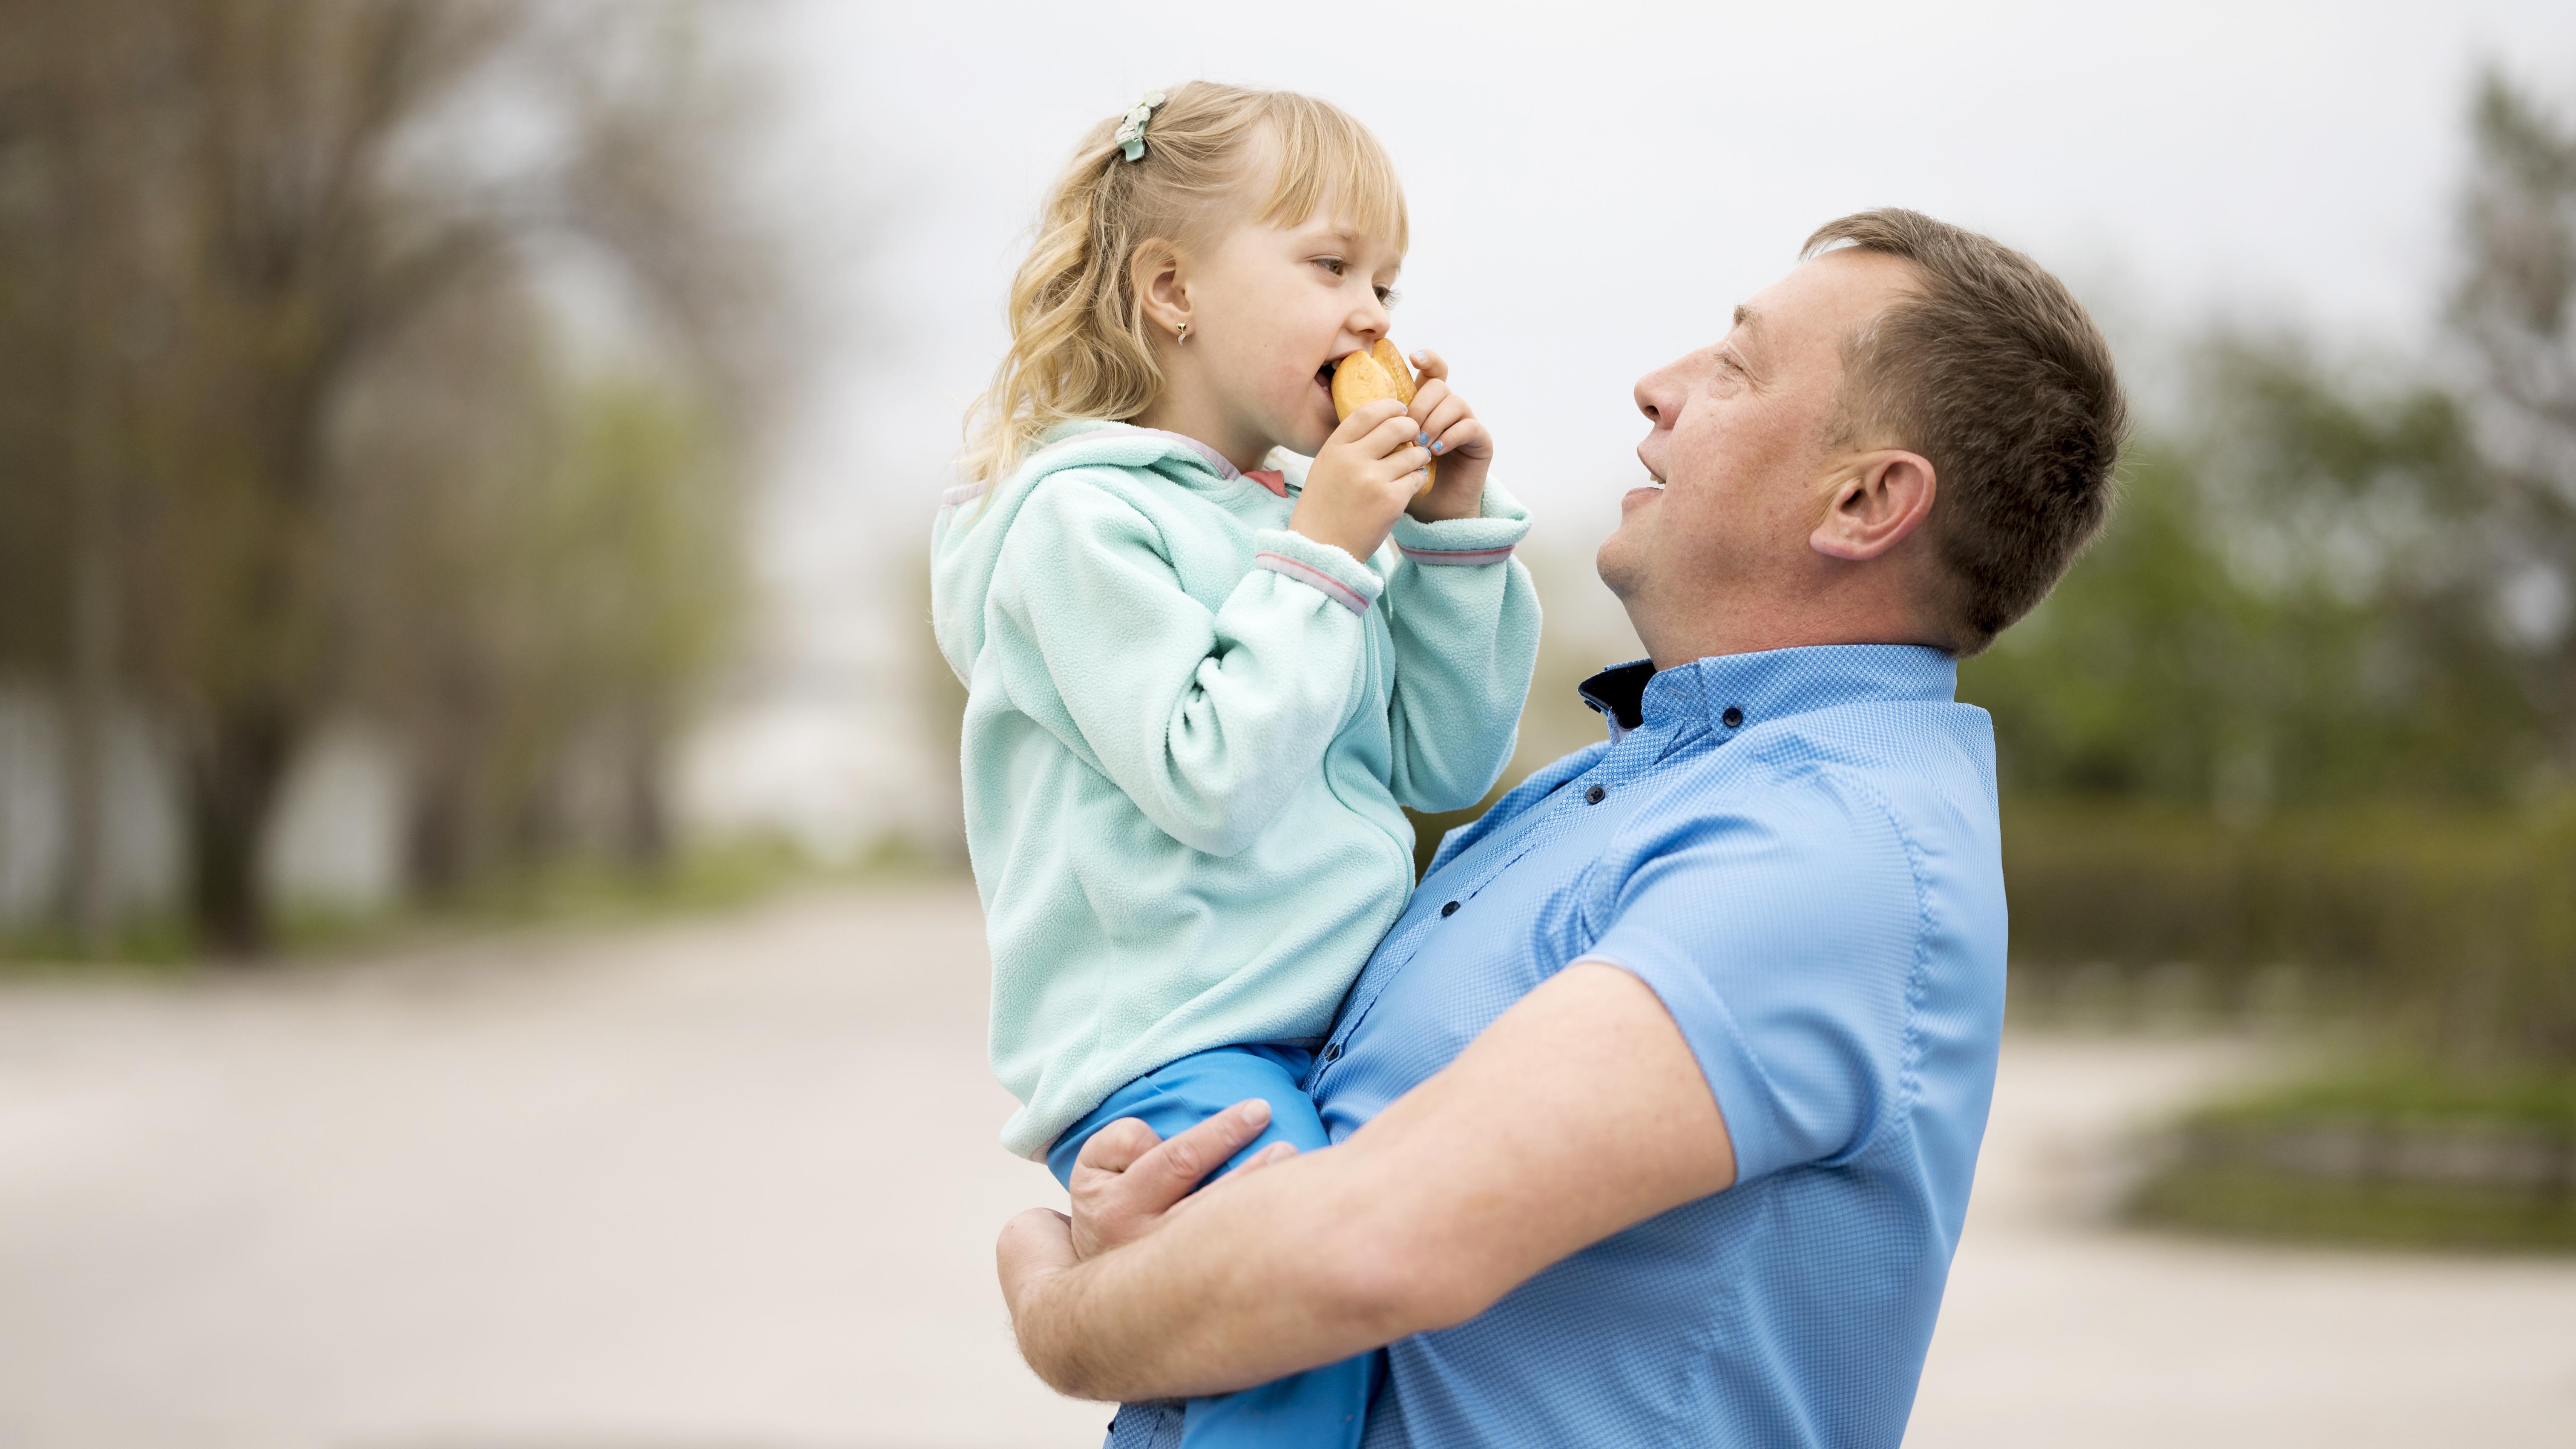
column 1593, row 188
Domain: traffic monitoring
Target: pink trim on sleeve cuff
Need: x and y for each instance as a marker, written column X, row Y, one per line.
column 1457, row 556
column 1332, row 588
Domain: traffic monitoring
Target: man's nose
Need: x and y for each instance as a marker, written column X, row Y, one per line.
column 1659, row 394
column 1651, row 399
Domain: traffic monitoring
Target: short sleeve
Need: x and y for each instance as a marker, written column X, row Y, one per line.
column 1783, row 934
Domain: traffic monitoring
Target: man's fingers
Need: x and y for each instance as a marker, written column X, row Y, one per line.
column 1035, row 1242
column 1275, row 1152
column 1114, row 1206
column 1166, row 1175
column 1116, row 1147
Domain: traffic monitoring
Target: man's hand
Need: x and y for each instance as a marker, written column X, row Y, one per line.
column 1126, row 1183
column 1363, row 477
column 1456, row 437
column 1578, row 1112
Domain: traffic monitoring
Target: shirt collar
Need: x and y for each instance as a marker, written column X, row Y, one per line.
column 1616, row 693
column 1736, row 690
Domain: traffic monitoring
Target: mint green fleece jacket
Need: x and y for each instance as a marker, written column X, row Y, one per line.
column 1188, row 732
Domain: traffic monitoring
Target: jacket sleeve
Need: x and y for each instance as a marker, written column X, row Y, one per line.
column 1209, row 720
column 1465, row 619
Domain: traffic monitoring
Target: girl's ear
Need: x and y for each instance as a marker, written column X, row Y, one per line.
column 1162, row 285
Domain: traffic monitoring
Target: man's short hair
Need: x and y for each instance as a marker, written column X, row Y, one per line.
column 1993, row 372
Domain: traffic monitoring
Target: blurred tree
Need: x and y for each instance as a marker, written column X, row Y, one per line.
column 2294, row 608
column 2515, row 308
column 68, row 241
column 224, row 217
column 549, row 610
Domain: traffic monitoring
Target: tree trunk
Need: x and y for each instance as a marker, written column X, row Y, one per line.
column 233, row 785
column 98, row 296
column 644, row 825
column 446, row 843
column 434, row 837
column 90, row 683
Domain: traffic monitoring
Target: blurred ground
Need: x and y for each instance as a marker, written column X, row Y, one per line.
column 2060, row 1329
column 734, row 1184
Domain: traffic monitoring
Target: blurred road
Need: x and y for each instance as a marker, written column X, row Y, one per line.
column 2059, row 1330
column 733, row 1183
column 729, row 1183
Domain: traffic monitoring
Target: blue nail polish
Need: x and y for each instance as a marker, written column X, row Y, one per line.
column 1437, row 447
column 1421, row 440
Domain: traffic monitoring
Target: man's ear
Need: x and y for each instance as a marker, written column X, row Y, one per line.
column 1162, row 285
column 1884, row 497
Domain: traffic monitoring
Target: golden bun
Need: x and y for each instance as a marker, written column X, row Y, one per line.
column 1364, row 377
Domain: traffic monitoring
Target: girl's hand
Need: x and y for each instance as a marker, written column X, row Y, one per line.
column 1363, row 477
column 1450, row 429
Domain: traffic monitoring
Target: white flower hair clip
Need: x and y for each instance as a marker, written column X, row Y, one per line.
column 1131, row 127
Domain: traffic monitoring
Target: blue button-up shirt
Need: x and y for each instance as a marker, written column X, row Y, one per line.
column 1798, row 852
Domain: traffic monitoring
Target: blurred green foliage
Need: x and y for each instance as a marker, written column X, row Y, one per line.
column 2244, row 1200
column 2275, row 616
column 291, row 434
column 2307, row 710
column 2455, row 928
column 2401, row 1154
column 538, row 620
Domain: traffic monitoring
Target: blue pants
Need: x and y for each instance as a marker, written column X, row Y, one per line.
column 1322, row 1408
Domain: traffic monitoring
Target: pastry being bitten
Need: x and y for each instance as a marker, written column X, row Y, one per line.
column 1364, row 377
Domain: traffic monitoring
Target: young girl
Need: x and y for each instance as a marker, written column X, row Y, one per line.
column 1201, row 683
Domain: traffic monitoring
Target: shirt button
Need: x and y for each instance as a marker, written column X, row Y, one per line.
column 1333, row 1052
column 1595, row 795
column 1450, row 909
column 1733, row 717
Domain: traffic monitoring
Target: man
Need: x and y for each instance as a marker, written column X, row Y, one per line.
column 1655, row 1115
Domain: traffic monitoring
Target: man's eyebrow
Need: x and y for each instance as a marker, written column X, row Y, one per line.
column 1747, row 319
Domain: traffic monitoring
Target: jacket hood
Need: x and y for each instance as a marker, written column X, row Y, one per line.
column 974, row 518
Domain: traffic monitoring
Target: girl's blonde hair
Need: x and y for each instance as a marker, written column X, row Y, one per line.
column 1079, row 346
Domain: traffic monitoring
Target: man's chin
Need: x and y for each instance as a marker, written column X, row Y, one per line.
column 1617, row 570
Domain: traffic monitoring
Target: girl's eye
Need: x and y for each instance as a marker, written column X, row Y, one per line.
column 1388, row 296
column 1333, row 265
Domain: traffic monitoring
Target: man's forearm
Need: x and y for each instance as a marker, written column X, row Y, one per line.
column 1578, row 1112
column 1255, row 1281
